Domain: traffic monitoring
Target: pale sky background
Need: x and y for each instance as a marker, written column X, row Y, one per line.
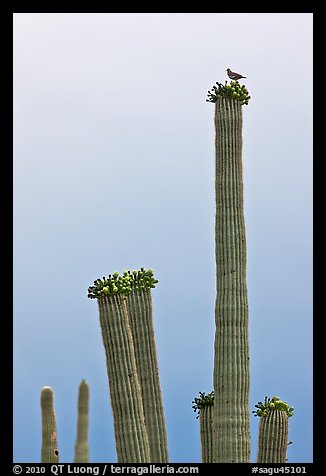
column 114, row 169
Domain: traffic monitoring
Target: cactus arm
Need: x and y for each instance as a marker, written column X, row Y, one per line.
column 127, row 407
column 81, row 454
column 50, row 451
column 139, row 303
column 231, row 360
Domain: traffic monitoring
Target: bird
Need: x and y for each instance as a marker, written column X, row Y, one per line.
column 233, row 75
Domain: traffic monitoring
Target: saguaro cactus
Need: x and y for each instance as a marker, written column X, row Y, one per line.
column 273, row 430
column 231, row 361
column 126, row 400
column 50, row 451
column 140, row 311
column 204, row 406
column 81, row 454
column 126, row 319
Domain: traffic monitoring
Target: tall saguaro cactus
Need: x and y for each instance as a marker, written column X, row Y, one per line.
column 140, row 310
column 231, row 361
column 81, row 454
column 128, row 336
column 50, row 451
column 273, row 430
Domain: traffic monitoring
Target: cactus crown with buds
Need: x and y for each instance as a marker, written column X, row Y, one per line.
column 115, row 284
column 234, row 90
column 203, row 401
column 270, row 404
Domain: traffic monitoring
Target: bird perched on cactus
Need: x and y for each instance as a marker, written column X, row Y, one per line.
column 233, row 75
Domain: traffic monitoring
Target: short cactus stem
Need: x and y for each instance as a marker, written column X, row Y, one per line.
column 231, row 362
column 140, row 311
column 128, row 414
column 206, row 435
column 273, row 430
column 50, row 451
column 204, row 406
column 273, row 437
column 81, row 454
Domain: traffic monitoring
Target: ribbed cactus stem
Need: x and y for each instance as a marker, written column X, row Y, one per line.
column 206, row 434
column 231, row 362
column 50, row 451
column 203, row 405
column 81, row 454
column 273, row 437
column 126, row 400
column 274, row 416
column 140, row 311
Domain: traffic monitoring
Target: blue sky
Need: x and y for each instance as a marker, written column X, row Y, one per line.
column 114, row 169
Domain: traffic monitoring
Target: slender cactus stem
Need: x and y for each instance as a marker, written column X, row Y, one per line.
column 140, row 311
column 127, row 406
column 206, row 435
column 231, row 363
column 204, row 405
column 81, row 454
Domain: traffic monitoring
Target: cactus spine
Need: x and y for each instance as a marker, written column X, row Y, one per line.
column 50, row 451
column 204, row 406
column 273, row 430
column 81, row 454
column 126, row 401
column 231, row 361
column 139, row 303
